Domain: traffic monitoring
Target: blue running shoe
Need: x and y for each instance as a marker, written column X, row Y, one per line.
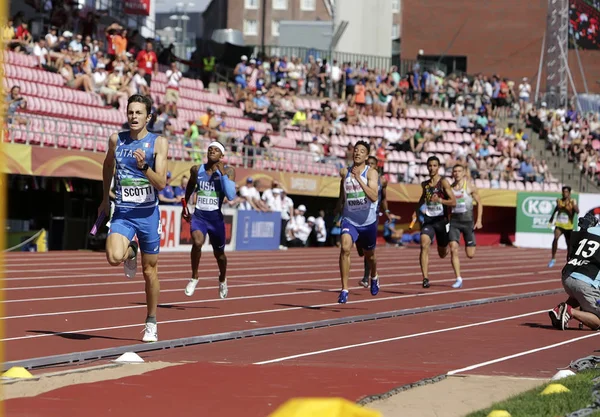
column 343, row 297
column 375, row 286
column 551, row 263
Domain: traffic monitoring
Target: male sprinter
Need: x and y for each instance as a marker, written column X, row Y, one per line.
column 212, row 182
column 382, row 195
column 566, row 207
column 358, row 203
column 433, row 217
column 581, row 278
column 141, row 172
column 462, row 219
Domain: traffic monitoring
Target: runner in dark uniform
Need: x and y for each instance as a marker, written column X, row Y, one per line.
column 433, row 212
column 581, row 278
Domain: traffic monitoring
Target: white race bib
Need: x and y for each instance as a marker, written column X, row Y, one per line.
column 138, row 194
column 356, row 199
column 461, row 206
column 562, row 218
column 434, row 209
column 207, row 197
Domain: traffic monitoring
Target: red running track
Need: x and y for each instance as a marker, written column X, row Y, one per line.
column 97, row 308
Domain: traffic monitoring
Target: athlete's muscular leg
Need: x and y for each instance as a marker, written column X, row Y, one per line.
column 470, row 251
column 557, row 234
column 346, row 247
column 118, row 249
column 372, row 262
column 443, row 251
column 455, row 258
column 150, row 268
column 222, row 262
column 424, row 256
column 197, row 242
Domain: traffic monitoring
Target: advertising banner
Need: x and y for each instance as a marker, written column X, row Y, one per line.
column 52, row 162
column 176, row 236
column 257, row 231
column 589, row 202
column 533, row 213
column 137, row 7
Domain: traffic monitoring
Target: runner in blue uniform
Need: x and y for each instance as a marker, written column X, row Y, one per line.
column 433, row 209
column 358, row 203
column 140, row 159
column 382, row 198
column 212, row 182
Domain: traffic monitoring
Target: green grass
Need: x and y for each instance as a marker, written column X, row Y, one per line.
column 532, row 404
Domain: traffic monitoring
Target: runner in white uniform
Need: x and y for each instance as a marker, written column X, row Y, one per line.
column 359, row 201
column 461, row 221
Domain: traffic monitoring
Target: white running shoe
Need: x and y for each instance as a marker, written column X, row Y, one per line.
column 223, row 289
column 458, row 283
column 150, row 333
column 191, row 287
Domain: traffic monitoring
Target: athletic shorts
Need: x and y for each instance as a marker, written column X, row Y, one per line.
column 365, row 237
column 437, row 229
column 214, row 228
column 584, row 293
column 566, row 232
column 466, row 228
column 143, row 223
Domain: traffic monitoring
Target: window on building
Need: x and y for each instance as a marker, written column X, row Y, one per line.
column 395, row 31
column 251, row 4
column 280, row 4
column 250, row 27
column 308, row 5
column 274, row 28
column 395, row 6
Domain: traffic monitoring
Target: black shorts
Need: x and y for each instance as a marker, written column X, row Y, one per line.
column 566, row 232
column 466, row 228
column 437, row 229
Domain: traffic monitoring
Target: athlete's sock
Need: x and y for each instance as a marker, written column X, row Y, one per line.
column 151, row 319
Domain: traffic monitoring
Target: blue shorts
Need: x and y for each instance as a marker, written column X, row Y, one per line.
column 144, row 222
column 365, row 237
column 214, row 228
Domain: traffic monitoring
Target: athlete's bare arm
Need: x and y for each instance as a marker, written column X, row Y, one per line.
column 554, row 212
column 342, row 197
column 108, row 170
column 451, row 201
column 384, row 205
column 230, row 172
column 477, row 198
column 371, row 188
column 158, row 175
column 575, row 207
column 191, row 185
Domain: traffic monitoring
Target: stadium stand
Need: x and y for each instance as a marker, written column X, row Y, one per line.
column 71, row 101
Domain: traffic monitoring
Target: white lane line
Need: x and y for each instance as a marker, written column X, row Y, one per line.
column 516, row 265
column 394, row 339
column 516, row 355
column 76, row 272
column 269, row 283
column 244, row 297
column 276, row 310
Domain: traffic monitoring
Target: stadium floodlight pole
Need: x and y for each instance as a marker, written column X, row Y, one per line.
column 264, row 27
column 566, row 62
column 539, row 75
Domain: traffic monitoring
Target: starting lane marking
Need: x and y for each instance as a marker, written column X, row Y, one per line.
column 277, row 310
column 393, row 339
column 516, row 355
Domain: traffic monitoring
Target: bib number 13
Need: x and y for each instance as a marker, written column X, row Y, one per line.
column 587, row 248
